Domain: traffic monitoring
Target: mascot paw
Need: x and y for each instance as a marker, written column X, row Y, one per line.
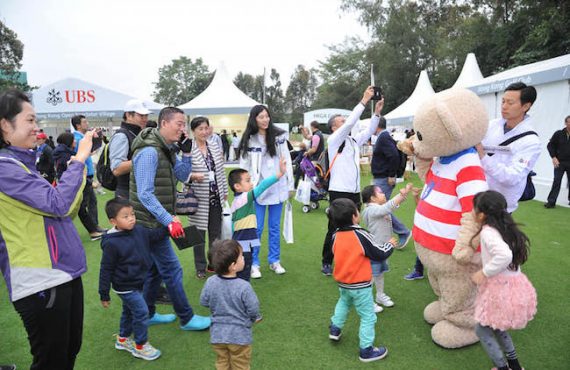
column 463, row 256
column 448, row 335
column 432, row 313
column 406, row 146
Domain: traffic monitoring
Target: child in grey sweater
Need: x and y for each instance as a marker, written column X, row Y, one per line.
column 234, row 307
column 376, row 217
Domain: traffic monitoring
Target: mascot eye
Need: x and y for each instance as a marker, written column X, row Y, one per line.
column 419, row 136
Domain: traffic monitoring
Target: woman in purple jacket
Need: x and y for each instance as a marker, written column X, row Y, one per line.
column 41, row 256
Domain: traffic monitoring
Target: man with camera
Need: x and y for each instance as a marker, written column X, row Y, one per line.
column 344, row 160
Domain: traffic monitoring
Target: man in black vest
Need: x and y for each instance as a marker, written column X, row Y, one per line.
column 317, row 143
column 120, row 154
column 155, row 170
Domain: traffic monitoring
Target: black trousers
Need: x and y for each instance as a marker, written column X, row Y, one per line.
column 327, row 244
column 53, row 320
column 558, row 175
column 88, row 208
column 214, row 232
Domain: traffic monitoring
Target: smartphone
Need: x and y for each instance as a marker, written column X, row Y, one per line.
column 377, row 93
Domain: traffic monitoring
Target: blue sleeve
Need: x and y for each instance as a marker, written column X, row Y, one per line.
column 107, row 267
column 183, row 168
column 145, row 165
column 118, row 150
column 264, row 185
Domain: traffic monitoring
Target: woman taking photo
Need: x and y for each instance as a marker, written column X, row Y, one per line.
column 260, row 148
column 41, row 255
column 208, row 181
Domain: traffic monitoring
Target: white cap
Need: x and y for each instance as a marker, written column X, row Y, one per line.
column 136, row 105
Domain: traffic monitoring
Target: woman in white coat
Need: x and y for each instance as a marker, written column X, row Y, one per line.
column 261, row 146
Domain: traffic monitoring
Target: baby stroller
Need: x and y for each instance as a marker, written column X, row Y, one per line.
column 315, row 175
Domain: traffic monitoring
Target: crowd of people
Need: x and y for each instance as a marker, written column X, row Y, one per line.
column 43, row 263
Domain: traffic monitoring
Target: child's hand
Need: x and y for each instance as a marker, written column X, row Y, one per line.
column 405, row 190
column 416, row 191
column 105, row 304
column 478, row 278
column 282, row 167
column 393, row 241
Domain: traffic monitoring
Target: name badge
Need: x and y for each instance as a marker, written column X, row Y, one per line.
column 497, row 149
column 211, row 176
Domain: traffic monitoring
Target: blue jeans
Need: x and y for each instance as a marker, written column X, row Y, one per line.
column 167, row 268
column 274, row 226
column 397, row 226
column 134, row 319
column 363, row 302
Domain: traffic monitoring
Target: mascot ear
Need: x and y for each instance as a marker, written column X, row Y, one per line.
column 452, row 127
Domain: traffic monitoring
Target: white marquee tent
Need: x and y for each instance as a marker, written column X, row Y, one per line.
column 65, row 98
column 404, row 114
column 225, row 105
column 470, row 73
column 551, row 78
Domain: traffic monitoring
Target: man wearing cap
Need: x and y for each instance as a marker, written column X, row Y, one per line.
column 134, row 120
column 44, row 158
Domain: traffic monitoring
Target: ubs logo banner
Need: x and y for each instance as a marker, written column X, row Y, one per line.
column 71, row 96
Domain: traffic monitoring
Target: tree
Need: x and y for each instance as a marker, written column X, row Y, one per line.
column 301, row 92
column 181, row 81
column 274, row 97
column 11, row 54
column 250, row 85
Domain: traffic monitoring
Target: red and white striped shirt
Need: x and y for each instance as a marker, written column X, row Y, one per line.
column 451, row 183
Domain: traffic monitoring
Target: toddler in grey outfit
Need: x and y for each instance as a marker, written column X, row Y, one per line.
column 234, row 307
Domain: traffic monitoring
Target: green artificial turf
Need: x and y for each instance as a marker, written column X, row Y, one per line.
column 297, row 307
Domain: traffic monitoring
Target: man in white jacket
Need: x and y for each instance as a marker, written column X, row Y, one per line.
column 344, row 159
column 507, row 167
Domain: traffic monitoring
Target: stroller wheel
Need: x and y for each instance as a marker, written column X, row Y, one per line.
column 314, row 205
column 306, row 209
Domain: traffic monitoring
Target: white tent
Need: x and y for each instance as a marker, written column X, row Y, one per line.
column 65, row 98
column 470, row 73
column 220, row 97
column 551, row 78
column 404, row 114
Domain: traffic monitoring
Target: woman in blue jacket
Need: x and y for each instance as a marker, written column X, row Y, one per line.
column 41, row 256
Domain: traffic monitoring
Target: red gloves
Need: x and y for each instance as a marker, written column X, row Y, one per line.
column 176, row 230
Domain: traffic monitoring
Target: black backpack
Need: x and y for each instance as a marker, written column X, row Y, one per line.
column 326, row 166
column 104, row 173
column 403, row 161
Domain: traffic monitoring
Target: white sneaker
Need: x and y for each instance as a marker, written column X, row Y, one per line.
column 147, row 352
column 255, row 273
column 276, row 266
column 377, row 308
column 385, row 300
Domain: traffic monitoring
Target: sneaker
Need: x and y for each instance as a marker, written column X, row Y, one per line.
column 255, row 273
column 327, row 269
column 201, row 275
column 414, row 275
column 385, row 300
column 124, row 344
column 147, row 352
column 370, row 354
column 197, row 323
column 377, row 308
column 549, row 205
column 334, row 332
column 96, row 235
column 276, row 266
column 404, row 240
column 158, row 318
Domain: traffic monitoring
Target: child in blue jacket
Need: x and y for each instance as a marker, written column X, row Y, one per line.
column 125, row 264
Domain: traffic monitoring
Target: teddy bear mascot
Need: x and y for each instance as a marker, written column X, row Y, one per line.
column 447, row 128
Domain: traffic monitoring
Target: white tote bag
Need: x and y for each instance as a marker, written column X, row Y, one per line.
column 288, row 223
column 303, row 194
column 226, row 222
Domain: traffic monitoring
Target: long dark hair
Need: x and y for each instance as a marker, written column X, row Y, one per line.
column 10, row 106
column 251, row 129
column 494, row 206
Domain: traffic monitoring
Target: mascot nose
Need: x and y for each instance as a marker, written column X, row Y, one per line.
column 419, row 136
